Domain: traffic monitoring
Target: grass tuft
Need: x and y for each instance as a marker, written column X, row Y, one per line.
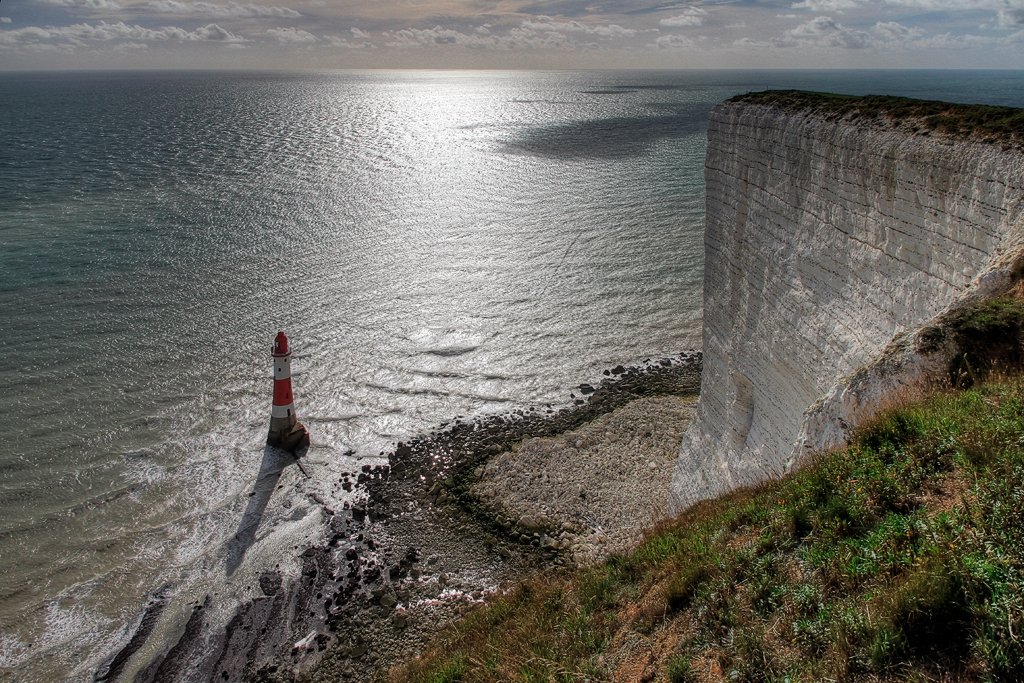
column 978, row 121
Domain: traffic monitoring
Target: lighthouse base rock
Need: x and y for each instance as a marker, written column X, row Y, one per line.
column 287, row 433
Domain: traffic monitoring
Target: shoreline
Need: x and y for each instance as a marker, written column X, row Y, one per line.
column 419, row 549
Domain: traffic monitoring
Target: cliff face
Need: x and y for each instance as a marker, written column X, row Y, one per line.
column 827, row 244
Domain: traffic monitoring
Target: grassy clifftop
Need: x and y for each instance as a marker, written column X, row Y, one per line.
column 898, row 558
column 957, row 120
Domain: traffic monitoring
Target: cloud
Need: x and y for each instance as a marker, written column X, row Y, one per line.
column 338, row 41
column 825, row 5
column 693, row 16
column 5, row 20
column 1011, row 18
column 547, row 24
column 212, row 32
column 524, row 37
column 948, row 41
column 673, row 42
column 91, row 4
column 539, row 33
column 291, row 35
column 824, row 32
column 955, row 5
column 232, row 10
column 412, row 37
column 895, row 32
column 81, row 35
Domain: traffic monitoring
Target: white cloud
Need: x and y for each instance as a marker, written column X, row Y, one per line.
column 895, row 32
column 825, row 5
column 955, row 5
column 693, row 16
column 29, row 35
column 291, row 35
column 411, row 37
column 102, row 4
column 232, row 10
column 81, row 35
column 547, row 24
column 948, row 41
column 825, row 32
column 1011, row 18
column 61, row 3
column 673, row 42
column 215, row 33
column 524, row 37
column 338, row 41
column 5, row 20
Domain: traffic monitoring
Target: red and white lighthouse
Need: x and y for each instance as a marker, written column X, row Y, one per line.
column 285, row 430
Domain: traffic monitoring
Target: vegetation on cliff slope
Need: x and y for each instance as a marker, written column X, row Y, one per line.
column 898, row 558
column 957, row 120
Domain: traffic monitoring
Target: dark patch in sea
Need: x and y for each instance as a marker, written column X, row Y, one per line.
column 612, row 138
column 659, row 86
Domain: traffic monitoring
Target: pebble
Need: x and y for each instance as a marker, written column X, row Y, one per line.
column 606, row 482
column 582, row 493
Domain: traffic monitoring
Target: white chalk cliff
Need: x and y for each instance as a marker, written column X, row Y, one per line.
column 828, row 244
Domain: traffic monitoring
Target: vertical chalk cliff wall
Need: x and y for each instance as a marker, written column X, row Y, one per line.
column 826, row 240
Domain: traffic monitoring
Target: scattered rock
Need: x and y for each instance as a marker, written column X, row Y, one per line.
column 270, row 582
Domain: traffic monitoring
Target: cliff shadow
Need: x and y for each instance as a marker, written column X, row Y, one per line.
column 274, row 461
column 611, row 138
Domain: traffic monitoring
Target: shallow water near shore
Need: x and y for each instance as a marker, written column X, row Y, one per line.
column 435, row 244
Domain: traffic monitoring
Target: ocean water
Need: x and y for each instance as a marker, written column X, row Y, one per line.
column 435, row 244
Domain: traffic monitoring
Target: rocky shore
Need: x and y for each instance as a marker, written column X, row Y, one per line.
column 454, row 516
column 479, row 504
column 593, row 490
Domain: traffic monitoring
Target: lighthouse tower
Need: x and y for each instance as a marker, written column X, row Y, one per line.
column 285, row 430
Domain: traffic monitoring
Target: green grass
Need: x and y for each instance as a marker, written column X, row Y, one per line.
column 958, row 120
column 900, row 557
column 991, row 333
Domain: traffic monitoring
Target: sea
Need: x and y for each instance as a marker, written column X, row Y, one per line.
column 436, row 245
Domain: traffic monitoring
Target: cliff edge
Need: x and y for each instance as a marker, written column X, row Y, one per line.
column 837, row 229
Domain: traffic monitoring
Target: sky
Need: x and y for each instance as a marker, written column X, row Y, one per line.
column 510, row 34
